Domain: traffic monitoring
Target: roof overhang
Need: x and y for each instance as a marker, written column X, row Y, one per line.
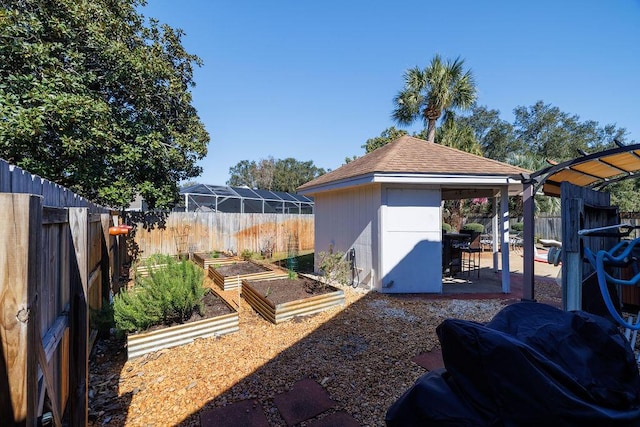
column 447, row 182
column 594, row 171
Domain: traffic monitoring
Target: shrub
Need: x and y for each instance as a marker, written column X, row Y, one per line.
column 473, row 226
column 446, row 227
column 246, row 255
column 517, row 226
column 335, row 266
column 168, row 295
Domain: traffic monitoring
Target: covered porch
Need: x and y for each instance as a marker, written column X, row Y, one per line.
column 490, row 280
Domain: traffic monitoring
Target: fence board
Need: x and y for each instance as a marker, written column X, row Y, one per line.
column 5, row 177
column 19, row 227
column 79, row 324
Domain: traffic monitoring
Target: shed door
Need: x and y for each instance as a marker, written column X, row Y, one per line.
column 411, row 241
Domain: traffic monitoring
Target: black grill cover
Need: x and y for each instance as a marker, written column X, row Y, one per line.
column 532, row 365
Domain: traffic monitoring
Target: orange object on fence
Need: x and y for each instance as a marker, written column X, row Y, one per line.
column 120, row 229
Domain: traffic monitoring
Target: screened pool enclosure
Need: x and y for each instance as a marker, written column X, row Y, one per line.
column 221, row 198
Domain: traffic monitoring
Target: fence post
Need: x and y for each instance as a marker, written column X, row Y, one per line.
column 105, row 259
column 21, row 231
column 79, row 318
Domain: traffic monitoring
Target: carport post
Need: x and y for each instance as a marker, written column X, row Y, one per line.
column 528, row 243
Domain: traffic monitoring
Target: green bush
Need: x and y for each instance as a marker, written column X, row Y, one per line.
column 246, row 255
column 168, row 295
column 446, row 227
column 157, row 259
column 335, row 266
column 517, row 226
column 473, row 226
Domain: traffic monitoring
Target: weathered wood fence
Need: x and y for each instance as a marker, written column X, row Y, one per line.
column 189, row 232
column 57, row 261
column 549, row 226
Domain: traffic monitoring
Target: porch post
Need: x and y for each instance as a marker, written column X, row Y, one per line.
column 504, row 209
column 495, row 241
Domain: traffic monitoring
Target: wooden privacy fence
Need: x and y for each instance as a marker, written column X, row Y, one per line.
column 190, row 232
column 57, row 261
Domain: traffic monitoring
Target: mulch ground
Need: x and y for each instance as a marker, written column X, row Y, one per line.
column 360, row 354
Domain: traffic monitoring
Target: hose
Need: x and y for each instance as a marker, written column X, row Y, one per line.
column 598, row 262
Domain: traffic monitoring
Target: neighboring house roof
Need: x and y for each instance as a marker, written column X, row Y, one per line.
column 412, row 156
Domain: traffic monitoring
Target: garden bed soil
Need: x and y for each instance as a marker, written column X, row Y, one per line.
column 240, row 269
column 279, row 291
column 212, row 306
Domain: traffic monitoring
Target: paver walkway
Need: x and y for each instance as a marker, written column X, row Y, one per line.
column 307, row 400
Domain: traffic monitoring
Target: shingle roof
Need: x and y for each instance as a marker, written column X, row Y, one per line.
column 409, row 155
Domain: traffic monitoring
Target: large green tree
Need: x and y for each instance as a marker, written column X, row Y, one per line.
column 547, row 132
column 458, row 135
column 253, row 174
column 494, row 135
column 386, row 136
column 96, row 98
column 277, row 175
column 438, row 89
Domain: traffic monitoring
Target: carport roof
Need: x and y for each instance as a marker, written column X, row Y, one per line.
column 408, row 155
column 595, row 170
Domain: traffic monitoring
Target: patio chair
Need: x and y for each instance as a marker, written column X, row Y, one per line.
column 486, row 242
column 471, row 254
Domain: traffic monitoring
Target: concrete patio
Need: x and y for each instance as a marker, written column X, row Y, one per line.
column 490, row 281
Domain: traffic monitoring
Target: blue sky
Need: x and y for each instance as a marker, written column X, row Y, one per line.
column 315, row 80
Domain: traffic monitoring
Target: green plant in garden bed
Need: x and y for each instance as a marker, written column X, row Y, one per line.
column 168, row 295
column 335, row 266
column 156, row 259
column 248, row 255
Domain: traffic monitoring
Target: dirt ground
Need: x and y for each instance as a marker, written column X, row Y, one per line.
column 360, row 353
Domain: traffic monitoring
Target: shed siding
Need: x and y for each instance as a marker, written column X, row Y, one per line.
column 349, row 219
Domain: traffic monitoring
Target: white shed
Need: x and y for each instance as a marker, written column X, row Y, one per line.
column 386, row 207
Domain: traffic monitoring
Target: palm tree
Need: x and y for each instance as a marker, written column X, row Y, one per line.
column 427, row 94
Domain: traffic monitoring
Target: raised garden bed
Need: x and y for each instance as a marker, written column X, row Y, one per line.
column 218, row 318
column 230, row 276
column 206, row 259
column 280, row 299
